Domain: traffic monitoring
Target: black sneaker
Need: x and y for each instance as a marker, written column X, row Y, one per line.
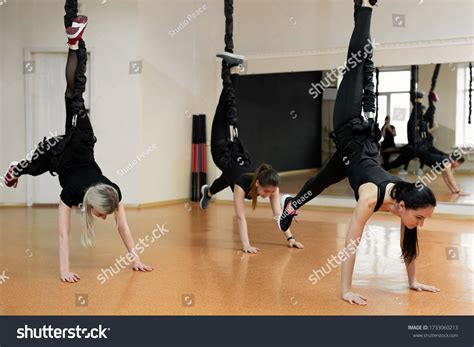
column 205, row 198
column 285, row 218
column 231, row 59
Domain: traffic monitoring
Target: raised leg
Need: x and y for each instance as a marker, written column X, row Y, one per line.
column 349, row 98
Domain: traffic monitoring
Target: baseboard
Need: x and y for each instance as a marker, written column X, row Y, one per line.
column 297, row 172
column 128, row 206
column 159, row 203
column 12, row 205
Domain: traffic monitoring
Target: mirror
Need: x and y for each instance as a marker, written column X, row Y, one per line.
column 299, row 121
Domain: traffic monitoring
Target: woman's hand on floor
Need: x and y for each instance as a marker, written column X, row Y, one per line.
column 354, row 298
column 139, row 266
column 419, row 287
column 250, row 249
column 295, row 244
column 70, row 277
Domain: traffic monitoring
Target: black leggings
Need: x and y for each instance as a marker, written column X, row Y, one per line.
column 406, row 155
column 357, row 80
column 349, row 102
column 220, row 127
column 76, row 113
column 220, row 133
column 428, row 156
column 386, row 155
column 434, row 150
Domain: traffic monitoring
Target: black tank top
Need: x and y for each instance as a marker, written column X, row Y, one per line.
column 366, row 169
column 76, row 182
column 388, row 139
column 244, row 182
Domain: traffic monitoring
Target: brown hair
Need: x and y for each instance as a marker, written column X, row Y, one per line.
column 266, row 176
column 414, row 198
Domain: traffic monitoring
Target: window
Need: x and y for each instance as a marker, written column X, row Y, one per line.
column 394, row 100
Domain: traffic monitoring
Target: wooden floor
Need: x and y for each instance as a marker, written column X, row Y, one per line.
column 201, row 271
column 292, row 183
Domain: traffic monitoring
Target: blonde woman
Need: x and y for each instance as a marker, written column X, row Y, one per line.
column 71, row 156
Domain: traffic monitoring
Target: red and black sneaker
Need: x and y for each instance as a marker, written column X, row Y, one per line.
column 76, row 30
column 9, row 179
column 433, row 97
column 285, row 218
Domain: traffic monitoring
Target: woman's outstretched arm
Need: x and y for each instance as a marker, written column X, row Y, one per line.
column 448, row 177
column 128, row 241
column 276, row 209
column 411, row 271
column 64, row 223
column 239, row 206
column 362, row 212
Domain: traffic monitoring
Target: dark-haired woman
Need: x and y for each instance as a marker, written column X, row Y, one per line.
column 230, row 157
column 388, row 144
column 356, row 158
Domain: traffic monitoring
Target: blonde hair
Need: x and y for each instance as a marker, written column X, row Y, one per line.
column 104, row 199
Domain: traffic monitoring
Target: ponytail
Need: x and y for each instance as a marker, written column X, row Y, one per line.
column 414, row 196
column 266, row 175
column 410, row 249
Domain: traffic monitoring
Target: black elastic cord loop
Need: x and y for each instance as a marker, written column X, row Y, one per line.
column 470, row 94
column 434, row 79
column 230, row 98
column 229, row 25
column 413, row 96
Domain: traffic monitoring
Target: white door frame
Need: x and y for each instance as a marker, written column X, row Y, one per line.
column 28, row 78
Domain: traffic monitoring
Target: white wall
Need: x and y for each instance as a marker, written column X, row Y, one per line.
column 178, row 80
column 180, row 73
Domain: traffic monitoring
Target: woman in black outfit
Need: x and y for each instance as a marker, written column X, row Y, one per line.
column 231, row 158
column 427, row 153
column 388, row 144
column 71, row 156
column 356, row 158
